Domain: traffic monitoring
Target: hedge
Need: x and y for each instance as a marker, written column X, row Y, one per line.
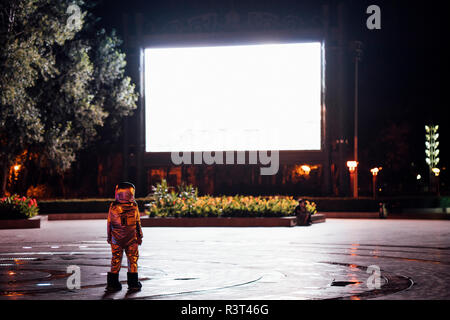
column 80, row 205
column 323, row 204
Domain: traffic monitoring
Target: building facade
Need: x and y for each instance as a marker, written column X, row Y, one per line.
column 321, row 172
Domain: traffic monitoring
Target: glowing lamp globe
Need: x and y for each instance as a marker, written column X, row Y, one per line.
column 436, row 171
column 352, row 165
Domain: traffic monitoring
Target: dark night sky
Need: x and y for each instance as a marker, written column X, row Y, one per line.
column 402, row 71
column 404, row 68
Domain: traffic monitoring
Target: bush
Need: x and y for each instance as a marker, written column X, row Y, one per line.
column 171, row 203
column 16, row 207
column 74, row 206
column 346, row 204
column 41, row 191
column 310, row 207
column 80, row 205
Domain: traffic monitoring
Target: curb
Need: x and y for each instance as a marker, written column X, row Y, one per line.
column 421, row 215
column 318, row 218
column 32, row 223
column 227, row 221
column 352, row 215
column 219, row 222
column 77, row 216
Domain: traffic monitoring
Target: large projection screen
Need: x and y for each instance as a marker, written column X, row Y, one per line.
column 233, row 98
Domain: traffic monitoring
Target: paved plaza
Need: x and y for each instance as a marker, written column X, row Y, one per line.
column 337, row 259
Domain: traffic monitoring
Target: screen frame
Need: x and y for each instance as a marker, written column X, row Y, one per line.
column 286, row 156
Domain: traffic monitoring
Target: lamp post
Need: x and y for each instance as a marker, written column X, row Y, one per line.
column 352, row 167
column 357, row 46
column 16, row 169
column 374, row 172
column 436, row 172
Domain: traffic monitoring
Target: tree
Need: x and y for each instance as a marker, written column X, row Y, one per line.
column 59, row 83
column 392, row 150
column 29, row 30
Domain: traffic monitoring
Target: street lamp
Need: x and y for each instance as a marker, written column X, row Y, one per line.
column 436, row 171
column 374, row 172
column 306, row 169
column 16, row 168
column 357, row 47
column 352, row 165
column 352, row 168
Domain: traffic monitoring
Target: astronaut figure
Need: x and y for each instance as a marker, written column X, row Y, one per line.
column 124, row 234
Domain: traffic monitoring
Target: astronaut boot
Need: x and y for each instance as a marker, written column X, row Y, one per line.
column 133, row 282
column 113, row 282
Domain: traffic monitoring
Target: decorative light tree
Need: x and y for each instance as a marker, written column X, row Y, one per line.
column 432, row 150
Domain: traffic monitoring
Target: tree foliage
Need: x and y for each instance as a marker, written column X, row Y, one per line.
column 59, row 84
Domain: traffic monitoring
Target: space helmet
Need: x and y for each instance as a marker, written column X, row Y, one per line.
column 125, row 192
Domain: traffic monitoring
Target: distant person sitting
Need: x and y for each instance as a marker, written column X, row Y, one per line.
column 302, row 214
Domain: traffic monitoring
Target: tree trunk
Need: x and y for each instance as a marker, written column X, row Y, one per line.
column 40, row 170
column 23, row 182
column 4, row 177
column 62, row 185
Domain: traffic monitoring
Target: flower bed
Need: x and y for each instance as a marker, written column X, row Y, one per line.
column 187, row 203
column 19, row 213
column 16, row 207
column 237, row 206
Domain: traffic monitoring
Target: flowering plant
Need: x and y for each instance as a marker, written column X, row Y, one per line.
column 16, row 207
column 186, row 203
column 310, row 207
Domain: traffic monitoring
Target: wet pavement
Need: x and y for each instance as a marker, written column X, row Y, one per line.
column 339, row 259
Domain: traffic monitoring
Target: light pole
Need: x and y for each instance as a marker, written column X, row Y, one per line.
column 352, row 166
column 436, row 172
column 374, row 172
column 358, row 55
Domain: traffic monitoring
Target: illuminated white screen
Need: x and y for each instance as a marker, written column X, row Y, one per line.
column 242, row 98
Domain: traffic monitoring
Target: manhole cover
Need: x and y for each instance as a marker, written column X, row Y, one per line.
column 343, row 283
